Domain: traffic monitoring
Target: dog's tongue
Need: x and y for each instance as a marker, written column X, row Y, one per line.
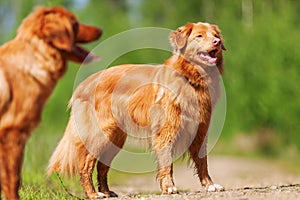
column 208, row 58
column 91, row 57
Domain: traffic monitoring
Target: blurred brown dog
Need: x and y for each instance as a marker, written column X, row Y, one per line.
column 30, row 66
column 169, row 105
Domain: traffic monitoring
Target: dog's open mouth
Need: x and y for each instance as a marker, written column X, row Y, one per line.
column 209, row 57
column 84, row 55
column 80, row 55
column 86, row 34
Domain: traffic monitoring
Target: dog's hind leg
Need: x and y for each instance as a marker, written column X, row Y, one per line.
column 12, row 144
column 87, row 165
column 102, row 171
column 105, row 160
column 102, row 180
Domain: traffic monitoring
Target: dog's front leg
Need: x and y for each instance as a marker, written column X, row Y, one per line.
column 198, row 153
column 165, row 169
column 12, row 144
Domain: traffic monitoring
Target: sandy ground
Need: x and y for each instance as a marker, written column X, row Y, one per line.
column 243, row 179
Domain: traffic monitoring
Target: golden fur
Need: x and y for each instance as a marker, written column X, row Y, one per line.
column 30, row 66
column 168, row 105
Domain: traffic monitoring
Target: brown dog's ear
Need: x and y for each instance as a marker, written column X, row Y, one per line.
column 53, row 26
column 179, row 37
column 57, row 29
column 220, row 61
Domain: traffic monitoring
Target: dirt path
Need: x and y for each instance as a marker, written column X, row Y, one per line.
column 243, row 180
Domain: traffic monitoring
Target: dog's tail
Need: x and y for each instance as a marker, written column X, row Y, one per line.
column 65, row 159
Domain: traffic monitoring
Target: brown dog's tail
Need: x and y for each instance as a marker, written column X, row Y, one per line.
column 65, row 159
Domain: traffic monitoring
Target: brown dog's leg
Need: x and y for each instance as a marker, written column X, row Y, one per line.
column 102, row 180
column 87, row 165
column 105, row 160
column 12, row 144
column 0, row 177
column 165, row 170
column 165, row 177
column 198, row 153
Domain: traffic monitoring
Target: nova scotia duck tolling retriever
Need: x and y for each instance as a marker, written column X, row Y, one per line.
column 169, row 105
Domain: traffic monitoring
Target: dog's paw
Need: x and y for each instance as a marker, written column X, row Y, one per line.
column 96, row 195
column 101, row 195
column 111, row 194
column 170, row 190
column 215, row 188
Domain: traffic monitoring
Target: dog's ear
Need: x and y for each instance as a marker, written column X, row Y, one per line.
column 59, row 31
column 179, row 37
column 56, row 29
column 52, row 25
column 216, row 28
column 220, row 60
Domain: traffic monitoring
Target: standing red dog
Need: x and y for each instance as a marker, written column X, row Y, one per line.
column 30, row 66
column 169, row 105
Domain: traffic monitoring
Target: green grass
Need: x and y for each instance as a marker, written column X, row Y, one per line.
column 38, row 192
column 35, row 184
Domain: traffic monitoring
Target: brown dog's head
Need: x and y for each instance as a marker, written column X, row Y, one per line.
column 60, row 28
column 201, row 43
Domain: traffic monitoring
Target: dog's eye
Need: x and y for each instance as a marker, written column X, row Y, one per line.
column 217, row 36
column 199, row 36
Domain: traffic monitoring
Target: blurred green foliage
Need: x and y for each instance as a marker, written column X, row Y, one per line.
column 261, row 62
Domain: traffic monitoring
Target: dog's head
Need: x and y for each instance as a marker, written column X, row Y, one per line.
column 60, row 28
column 200, row 43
